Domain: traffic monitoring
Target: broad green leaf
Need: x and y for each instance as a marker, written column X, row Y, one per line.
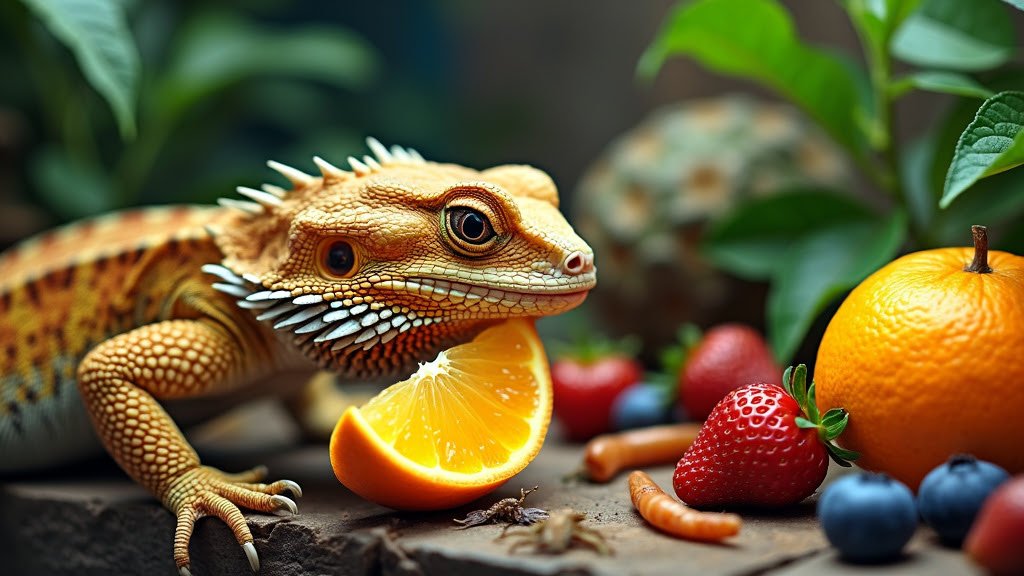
column 991, row 144
column 97, row 33
column 820, row 267
column 218, row 51
column 754, row 239
column 73, row 189
column 956, row 35
column 995, row 202
column 940, row 81
column 755, row 39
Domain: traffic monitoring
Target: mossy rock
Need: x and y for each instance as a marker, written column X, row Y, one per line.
column 645, row 202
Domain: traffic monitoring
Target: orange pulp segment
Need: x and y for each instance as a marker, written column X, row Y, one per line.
column 458, row 428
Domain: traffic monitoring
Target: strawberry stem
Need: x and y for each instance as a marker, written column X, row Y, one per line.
column 980, row 263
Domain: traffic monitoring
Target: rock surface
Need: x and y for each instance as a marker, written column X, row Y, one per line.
column 90, row 520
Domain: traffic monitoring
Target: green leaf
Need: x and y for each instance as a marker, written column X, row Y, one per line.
column 800, row 388
column 956, row 35
column 991, row 144
column 834, row 422
column 218, row 51
column 812, row 404
column 753, row 240
column 841, row 456
column 802, row 422
column 940, row 81
column 876, row 20
column 70, row 188
column 755, row 39
column 820, row 267
column 787, row 380
column 96, row 31
column 993, row 201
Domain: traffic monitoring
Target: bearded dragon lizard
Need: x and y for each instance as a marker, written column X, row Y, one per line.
column 110, row 326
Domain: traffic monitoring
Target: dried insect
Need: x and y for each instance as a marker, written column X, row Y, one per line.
column 508, row 510
column 608, row 454
column 557, row 534
column 675, row 518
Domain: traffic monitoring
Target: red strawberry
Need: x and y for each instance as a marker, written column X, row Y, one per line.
column 586, row 385
column 762, row 445
column 729, row 356
column 996, row 540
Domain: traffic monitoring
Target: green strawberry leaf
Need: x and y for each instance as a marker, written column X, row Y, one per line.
column 673, row 357
column 800, row 388
column 841, row 456
column 829, row 426
column 787, row 380
column 835, row 418
column 802, row 422
column 588, row 347
column 812, row 405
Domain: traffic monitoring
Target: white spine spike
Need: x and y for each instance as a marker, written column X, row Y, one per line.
column 379, row 150
column 259, row 196
column 294, row 175
column 243, row 205
column 400, row 154
column 373, row 164
column 275, row 190
column 329, row 171
column 416, row 156
column 223, row 273
column 359, row 167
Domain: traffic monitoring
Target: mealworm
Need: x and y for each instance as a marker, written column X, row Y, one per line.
column 608, row 454
column 675, row 518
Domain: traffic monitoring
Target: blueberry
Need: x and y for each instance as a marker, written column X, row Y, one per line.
column 638, row 406
column 868, row 517
column 951, row 495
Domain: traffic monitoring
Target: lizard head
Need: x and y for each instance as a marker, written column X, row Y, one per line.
column 372, row 270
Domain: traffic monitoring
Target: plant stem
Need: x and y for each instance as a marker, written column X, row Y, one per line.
column 980, row 263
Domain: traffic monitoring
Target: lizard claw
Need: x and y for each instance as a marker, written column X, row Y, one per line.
column 250, row 554
column 292, row 487
column 284, row 503
column 206, row 491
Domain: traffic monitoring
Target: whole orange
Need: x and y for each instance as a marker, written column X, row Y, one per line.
column 927, row 356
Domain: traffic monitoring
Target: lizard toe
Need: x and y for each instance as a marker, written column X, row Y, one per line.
column 206, row 491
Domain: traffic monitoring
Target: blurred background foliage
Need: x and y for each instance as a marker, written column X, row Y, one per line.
column 191, row 98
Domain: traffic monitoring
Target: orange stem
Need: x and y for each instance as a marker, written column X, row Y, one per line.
column 980, row 263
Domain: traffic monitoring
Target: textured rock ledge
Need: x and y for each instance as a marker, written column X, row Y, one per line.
column 89, row 520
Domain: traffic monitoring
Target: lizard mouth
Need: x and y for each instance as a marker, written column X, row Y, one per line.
column 325, row 328
column 544, row 300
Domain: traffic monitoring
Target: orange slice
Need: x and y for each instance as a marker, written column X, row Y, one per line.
column 458, row 428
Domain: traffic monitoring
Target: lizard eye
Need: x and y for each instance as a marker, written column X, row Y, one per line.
column 470, row 226
column 338, row 258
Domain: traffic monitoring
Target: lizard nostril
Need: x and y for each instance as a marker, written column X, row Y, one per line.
column 576, row 263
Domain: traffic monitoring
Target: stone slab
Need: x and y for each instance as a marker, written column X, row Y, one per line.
column 89, row 520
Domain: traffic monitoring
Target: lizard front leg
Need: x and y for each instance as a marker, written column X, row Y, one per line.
column 120, row 380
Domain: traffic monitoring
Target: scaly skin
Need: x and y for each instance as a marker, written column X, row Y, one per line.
column 128, row 317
